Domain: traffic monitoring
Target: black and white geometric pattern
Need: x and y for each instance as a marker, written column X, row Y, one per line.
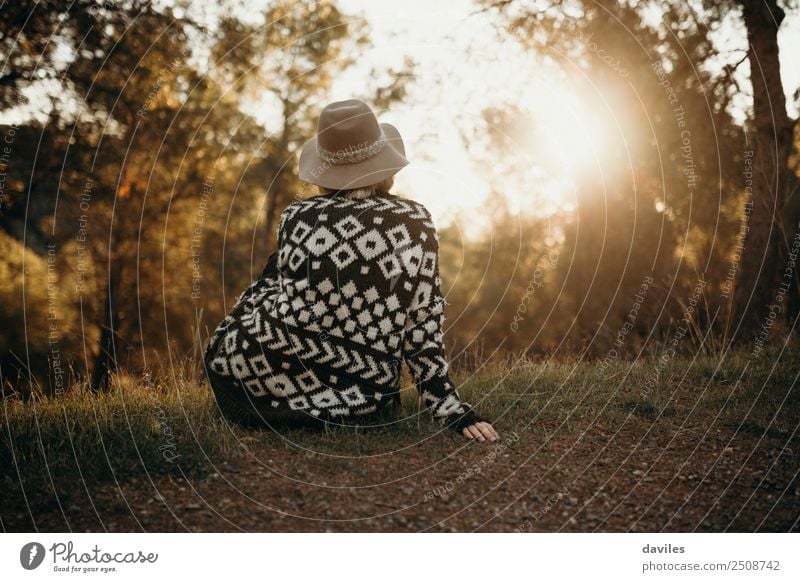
column 356, row 292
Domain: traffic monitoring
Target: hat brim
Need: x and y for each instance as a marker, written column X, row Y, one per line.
column 390, row 160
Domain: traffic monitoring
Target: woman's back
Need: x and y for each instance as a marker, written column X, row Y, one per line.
column 350, row 268
column 356, row 292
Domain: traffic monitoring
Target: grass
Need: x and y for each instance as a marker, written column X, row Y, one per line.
column 138, row 429
column 81, row 437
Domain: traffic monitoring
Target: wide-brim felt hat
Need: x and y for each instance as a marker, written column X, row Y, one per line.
column 351, row 148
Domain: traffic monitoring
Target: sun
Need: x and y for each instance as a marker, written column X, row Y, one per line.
column 563, row 139
column 570, row 131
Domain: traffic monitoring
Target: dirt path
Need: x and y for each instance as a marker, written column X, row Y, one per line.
column 600, row 480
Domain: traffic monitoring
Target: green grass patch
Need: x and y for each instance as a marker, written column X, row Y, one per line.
column 54, row 445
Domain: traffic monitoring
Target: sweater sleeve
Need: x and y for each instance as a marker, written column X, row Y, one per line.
column 423, row 348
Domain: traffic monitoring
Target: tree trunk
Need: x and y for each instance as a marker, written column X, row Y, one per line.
column 271, row 215
column 279, row 192
column 771, row 141
column 106, row 361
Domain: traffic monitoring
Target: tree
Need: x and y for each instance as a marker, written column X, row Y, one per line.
column 766, row 244
column 142, row 125
column 661, row 202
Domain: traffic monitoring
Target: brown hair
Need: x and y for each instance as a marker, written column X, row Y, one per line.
column 365, row 192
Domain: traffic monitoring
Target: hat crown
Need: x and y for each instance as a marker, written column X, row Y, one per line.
column 351, row 149
column 347, row 126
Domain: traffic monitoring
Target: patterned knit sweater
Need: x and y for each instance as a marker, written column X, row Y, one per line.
column 355, row 293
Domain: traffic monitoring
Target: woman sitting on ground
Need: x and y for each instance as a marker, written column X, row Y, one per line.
column 352, row 291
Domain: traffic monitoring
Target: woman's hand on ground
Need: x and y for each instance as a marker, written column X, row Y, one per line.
column 481, row 431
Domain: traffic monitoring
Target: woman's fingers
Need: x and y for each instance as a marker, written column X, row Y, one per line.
column 476, row 432
column 487, row 430
column 481, row 431
column 473, row 432
column 492, row 431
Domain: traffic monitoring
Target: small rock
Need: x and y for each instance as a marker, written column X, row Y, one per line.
column 231, row 468
column 192, row 507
